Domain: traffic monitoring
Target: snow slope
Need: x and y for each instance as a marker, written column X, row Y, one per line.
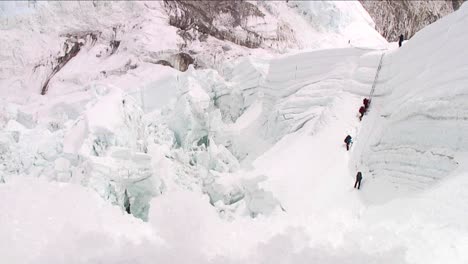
column 43, row 222
column 246, row 164
column 418, row 128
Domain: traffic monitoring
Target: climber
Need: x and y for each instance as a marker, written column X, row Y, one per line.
column 366, row 103
column 401, row 40
column 362, row 111
column 358, row 180
column 127, row 202
column 348, row 140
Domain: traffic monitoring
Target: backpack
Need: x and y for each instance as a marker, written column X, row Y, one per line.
column 359, row 176
column 366, row 102
column 347, row 139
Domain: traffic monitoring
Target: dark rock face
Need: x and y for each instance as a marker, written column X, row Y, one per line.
column 406, row 17
column 71, row 47
column 179, row 61
column 164, row 63
column 198, row 19
column 182, row 61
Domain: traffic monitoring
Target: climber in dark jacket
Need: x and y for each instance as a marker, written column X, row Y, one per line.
column 127, row 202
column 401, row 40
column 358, row 180
column 348, row 140
column 362, row 111
column 366, row 103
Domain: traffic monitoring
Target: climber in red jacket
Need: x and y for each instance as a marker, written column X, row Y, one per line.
column 366, row 103
column 362, row 111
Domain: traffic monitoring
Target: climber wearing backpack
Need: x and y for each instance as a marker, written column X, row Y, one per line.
column 348, row 140
column 358, row 180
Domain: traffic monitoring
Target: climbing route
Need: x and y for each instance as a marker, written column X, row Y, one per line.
column 374, row 84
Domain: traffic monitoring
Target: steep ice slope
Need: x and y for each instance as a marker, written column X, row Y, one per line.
column 318, row 100
column 418, row 123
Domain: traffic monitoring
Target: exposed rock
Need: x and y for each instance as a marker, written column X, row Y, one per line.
column 182, row 61
column 164, row 63
column 406, row 17
column 224, row 20
column 71, row 48
column 121, row 70
column 70, row 52
column 114, row 44
column 179, row 61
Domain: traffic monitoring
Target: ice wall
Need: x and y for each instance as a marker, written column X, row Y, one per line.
column 418, row 123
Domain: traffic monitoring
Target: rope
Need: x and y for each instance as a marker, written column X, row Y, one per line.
column 374, row 84
column 376, row 78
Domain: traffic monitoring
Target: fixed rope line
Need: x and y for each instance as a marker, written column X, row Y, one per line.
column 376, row 78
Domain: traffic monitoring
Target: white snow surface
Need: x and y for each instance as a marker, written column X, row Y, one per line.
column 243, row 163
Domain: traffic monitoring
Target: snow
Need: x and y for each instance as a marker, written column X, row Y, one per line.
column 414, row 137
column 347, row 19
column 50, row 216
column 242, row 163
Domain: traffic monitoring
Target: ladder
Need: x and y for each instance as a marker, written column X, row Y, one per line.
column 376, row 78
